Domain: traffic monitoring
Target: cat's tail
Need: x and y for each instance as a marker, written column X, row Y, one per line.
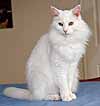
column 18, row 93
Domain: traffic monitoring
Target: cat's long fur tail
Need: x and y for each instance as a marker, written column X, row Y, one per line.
column 18, row 93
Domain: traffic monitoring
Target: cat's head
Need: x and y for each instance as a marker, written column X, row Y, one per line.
column 67, row 22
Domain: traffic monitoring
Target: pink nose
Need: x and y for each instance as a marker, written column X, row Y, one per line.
column 65, row 30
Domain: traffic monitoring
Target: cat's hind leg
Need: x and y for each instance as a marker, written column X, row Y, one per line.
column 42, row 87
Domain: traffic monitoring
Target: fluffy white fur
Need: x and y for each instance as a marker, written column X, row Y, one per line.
column 52, row 68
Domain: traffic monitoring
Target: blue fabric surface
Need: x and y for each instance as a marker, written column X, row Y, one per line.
column 88, row 95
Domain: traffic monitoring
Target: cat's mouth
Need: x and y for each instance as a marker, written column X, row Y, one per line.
column 65, row 34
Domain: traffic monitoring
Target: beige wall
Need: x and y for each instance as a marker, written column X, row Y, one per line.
column 31, row 20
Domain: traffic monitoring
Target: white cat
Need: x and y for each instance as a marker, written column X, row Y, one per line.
column 52, row 69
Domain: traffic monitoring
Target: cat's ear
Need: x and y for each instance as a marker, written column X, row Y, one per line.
column 76, row 10
column 54, row 11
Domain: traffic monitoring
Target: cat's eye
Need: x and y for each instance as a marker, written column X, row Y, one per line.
column 70, row 23
column 60, row 24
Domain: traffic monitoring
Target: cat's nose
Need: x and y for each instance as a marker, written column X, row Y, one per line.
column 65, row 30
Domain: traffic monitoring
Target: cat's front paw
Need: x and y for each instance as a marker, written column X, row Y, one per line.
column 68, row 97
column 53, row 97
column 73, row 96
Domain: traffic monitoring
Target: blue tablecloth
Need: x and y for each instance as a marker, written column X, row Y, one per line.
column 88, row 95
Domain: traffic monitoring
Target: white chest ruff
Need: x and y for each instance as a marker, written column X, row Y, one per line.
column 68, row 53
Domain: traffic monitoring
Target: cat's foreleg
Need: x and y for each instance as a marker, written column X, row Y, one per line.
column 73, row 78
column 65, row 91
